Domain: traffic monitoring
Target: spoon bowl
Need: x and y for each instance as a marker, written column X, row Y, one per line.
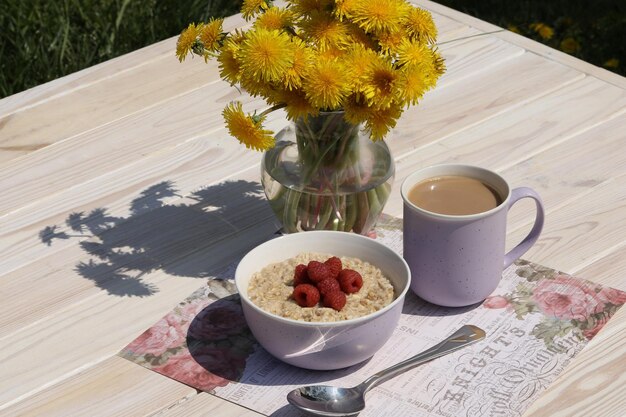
column 324, row 400
column 328, row 401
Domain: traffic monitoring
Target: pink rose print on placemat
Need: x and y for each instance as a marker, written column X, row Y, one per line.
column 612, row 296
column 567, row 298
column 596, row 326
column 182, row 367
column 167, row 333
column 496, row 302
column 568, row 305
column 188, row 311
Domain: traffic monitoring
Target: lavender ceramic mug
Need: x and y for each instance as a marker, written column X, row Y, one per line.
column 457, row 260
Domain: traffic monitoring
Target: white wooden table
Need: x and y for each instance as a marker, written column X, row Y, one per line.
column 136, row 136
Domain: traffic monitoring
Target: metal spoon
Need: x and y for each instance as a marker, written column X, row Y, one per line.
column 324, row 400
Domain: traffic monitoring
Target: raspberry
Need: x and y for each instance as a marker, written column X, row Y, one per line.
column 350, row 281
column 300, row 275
column 306, row 295
column 335, row 266
column 327, row 286
column 335, row 300
column 318, row 271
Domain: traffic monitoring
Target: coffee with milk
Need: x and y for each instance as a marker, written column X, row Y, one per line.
column 454, row 195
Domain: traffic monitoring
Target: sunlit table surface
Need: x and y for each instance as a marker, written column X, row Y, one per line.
column 122, row 192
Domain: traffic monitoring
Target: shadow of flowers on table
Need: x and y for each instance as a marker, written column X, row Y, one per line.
column 160, row 229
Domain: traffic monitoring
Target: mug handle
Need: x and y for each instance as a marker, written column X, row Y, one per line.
column 530, row 239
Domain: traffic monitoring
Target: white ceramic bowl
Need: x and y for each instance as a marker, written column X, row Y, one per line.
column 319, row 345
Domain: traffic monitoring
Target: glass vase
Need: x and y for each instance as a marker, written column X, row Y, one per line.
column 326, row 174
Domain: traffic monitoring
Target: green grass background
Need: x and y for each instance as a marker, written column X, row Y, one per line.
column 41, row 40
column 592, row 30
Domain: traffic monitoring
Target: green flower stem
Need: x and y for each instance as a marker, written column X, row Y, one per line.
column 362, row 212
column 311, row 208
column 372, row 200
column 340, row 224
column 327, row 210
column 291, row 211
column 305, row 215
column 351, row 210
column 315, row 212
column 316, row 205
column 329, row 195
column 383, row 191
column 303, row 211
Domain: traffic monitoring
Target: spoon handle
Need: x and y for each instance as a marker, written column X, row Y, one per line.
column 465, row 336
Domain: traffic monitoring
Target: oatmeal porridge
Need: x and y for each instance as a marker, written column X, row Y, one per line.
column 272, row 288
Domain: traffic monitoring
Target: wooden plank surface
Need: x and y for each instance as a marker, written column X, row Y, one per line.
column 206, row 405
column 593, row 384
column 103, row 95
column 18, row 231
column 589, row 218
column 138, row 138
column 62, row 342
column 526, row 43
column 114, row 387
column 609, row 265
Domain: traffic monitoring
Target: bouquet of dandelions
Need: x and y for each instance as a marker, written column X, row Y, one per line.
column 334, row 66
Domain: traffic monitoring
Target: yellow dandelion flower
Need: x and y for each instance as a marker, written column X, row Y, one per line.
column 356, row 108
column 390, row 41
column 211, row 34
column 412, row 53
column 247, row 129
column 343, row 8
column 304, row 8
column 411, row 85
column 186, row 41
column 358, row 36
column 570, row 45
column 431, row 68
column 324, row 30
column 302, row 57
column 379, row 16
column 266, row 54
column 229, row 64
column 251, row 8
column 326, row 84
column 275, row 18
column 544, row 31
column 254, row 86
column 420, row 25
column 380, row 83
column 380, row 122
column 360, row 59
column 297, row 104
column 439, row 63
column 331, row 53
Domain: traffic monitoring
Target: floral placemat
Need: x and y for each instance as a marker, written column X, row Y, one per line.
column 536, row 321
